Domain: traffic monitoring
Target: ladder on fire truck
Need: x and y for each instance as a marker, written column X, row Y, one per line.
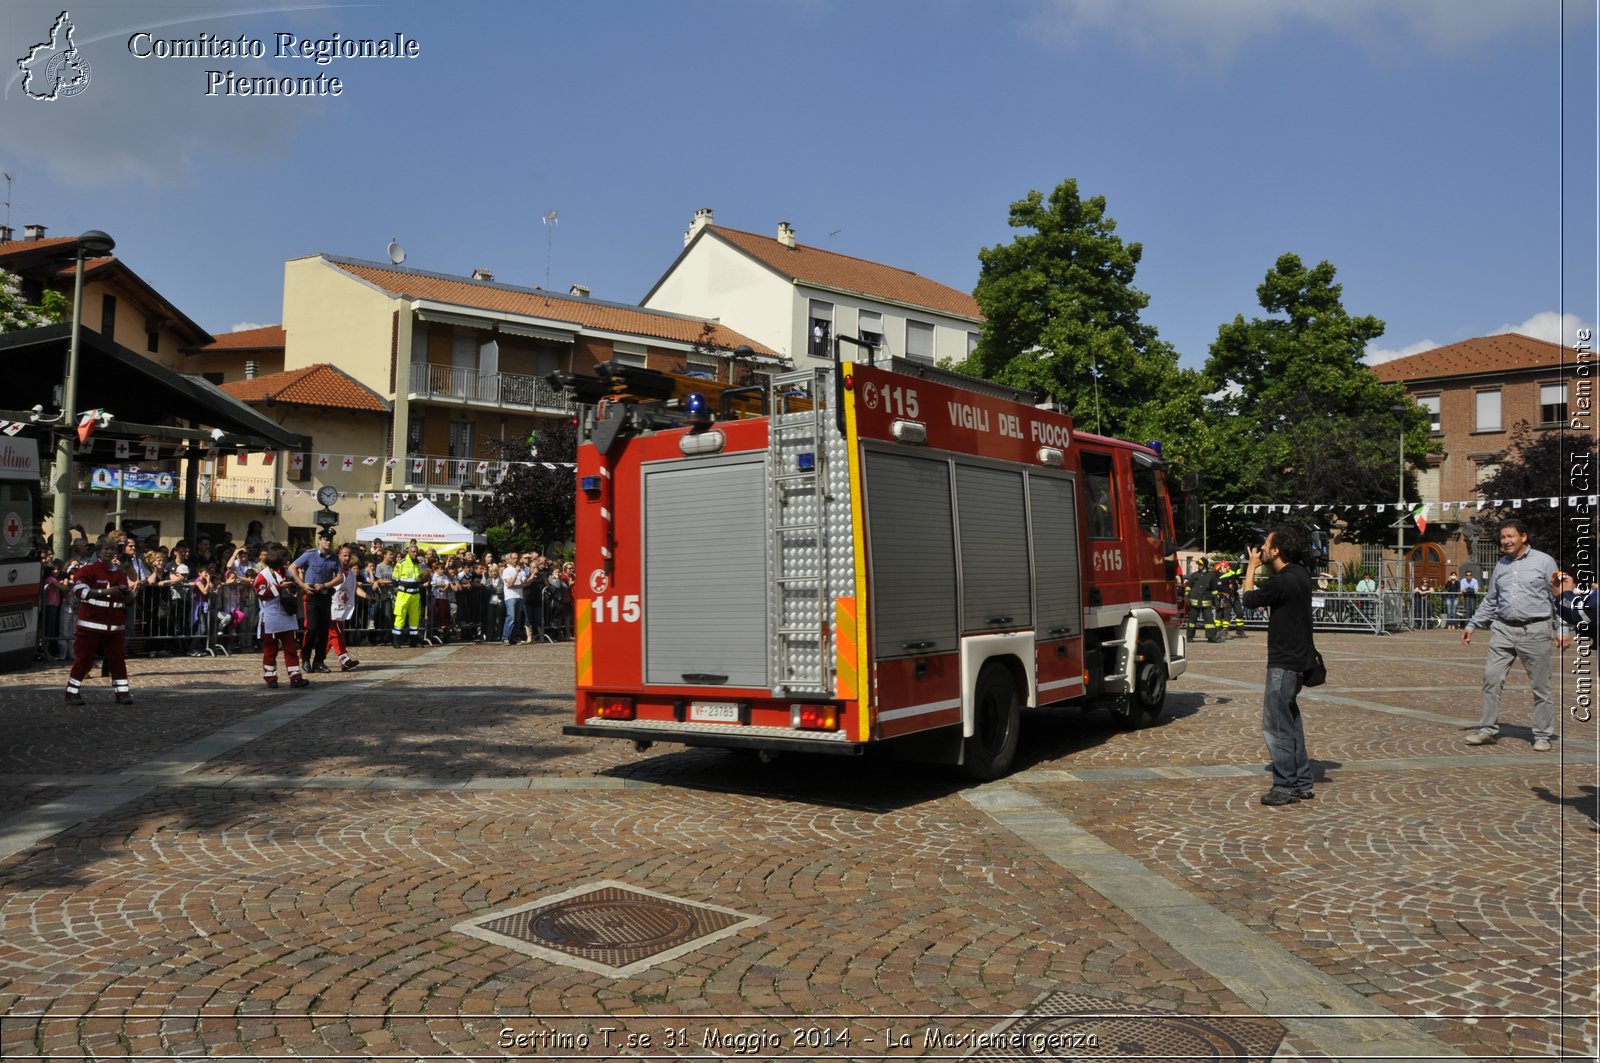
column 797, row 455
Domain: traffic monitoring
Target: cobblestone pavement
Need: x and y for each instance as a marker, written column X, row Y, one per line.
column 225, row 871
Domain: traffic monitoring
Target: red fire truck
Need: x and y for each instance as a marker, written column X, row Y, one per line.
column 872, row 554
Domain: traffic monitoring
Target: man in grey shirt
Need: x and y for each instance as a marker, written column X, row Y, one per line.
column 1519, row 610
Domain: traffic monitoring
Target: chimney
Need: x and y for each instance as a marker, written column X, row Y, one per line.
column 481, row 274
column 6, row 235
column 786, row 235
column 252, row 369
column 33, row 232
column 579, row 290
column 702, row 217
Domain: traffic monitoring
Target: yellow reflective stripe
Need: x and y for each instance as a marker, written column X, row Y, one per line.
column 583, row 641
column 844, row 641
column 858, row 533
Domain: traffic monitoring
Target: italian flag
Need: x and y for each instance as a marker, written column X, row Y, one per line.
column 1420, row 515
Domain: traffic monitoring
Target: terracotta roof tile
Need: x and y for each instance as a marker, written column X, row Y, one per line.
column 833, row 270
column 265, row 338
column 585, row 313
column 322, row 386
column 1503, row 353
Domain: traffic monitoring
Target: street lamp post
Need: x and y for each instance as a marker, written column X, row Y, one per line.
column 93, row 242
column 1400, row 524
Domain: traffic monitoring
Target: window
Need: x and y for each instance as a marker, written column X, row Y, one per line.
column 1488, row 411
column 701, row 364
column 1431, row 404
column 919, row 341
column 972, row 343
column 414, row 427
column 1099, row 499
column 152, row 343
column 819, row 332
column 461, row 433
column 629, row 353
column 1552, row 403
column 870, row 329
column 212, row 378
column 1150, row 503
column 108, row 316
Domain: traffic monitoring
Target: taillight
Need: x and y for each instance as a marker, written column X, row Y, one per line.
column 816, row 717
column 613, row 707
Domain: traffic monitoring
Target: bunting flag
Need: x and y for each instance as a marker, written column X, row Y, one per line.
column 1418, row 511
column 122, row 448
column 85, row 446
column 297, row 461
column 416, row 466
column 266, row 459
column 86, row 424
column 370, row 459
column 11, row 428
column 152, row 451
column 323, row 461
column 348, row 463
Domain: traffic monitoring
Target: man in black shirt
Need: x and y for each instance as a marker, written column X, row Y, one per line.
column 1287, row 594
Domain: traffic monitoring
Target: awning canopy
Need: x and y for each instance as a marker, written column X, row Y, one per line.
column 130, row 387
column 426, row 523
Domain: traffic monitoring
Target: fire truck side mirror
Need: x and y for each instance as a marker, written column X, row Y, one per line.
column 1190, row 483
column 1191, row 512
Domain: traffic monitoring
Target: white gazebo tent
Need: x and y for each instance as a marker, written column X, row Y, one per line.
column 425, row 522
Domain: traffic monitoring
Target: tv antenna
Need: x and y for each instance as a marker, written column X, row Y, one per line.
column 8, row 198
column 549, row 243
column 397, row 254
column 835, row 232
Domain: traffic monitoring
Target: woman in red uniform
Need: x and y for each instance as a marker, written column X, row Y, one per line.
column 101, row 588
column 279, row 627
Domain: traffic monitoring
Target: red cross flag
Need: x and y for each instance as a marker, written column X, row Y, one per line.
column 122, row 448
column 322, row 461
column 297, row 462
column 348, row 463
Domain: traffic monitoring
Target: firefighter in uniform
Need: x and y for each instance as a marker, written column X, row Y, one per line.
column 410, row 577
column 279, row 625
column 103, row 594
column 1200, row 596
column 1229, row 573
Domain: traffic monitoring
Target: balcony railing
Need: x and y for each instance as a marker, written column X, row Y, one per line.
column 447, row 383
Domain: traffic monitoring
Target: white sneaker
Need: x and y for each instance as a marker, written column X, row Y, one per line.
column 1541, row 745
column 1480, row 738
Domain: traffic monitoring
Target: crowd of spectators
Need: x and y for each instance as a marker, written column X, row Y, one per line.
column 191, row 597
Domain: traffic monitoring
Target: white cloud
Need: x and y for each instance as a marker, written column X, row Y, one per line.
column 1548, row 325
column 1545, row 325
column 1377, row 356
column 1222, row 28
column 246, row 326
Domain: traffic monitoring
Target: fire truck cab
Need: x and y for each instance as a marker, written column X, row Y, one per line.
column 883, row 554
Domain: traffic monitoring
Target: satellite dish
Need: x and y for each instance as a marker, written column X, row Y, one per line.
column 397, row 254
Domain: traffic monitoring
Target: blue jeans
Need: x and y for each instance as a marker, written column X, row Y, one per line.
column 513, row 622
column 1285, row 732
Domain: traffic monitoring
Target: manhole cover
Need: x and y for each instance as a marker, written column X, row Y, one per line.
column 608, row 927
column 1076, row 1026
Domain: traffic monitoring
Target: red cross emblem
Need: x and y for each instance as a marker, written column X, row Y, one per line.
column 13, row 528
column 322, row 463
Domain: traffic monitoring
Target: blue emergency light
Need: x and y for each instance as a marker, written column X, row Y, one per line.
column 806, row 462
column 697, row 410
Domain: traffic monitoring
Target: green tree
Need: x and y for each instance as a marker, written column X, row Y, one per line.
column 16, row 314
column 1544, row 464
column 533, row 506
column 1297, row 417
column 1061, row 319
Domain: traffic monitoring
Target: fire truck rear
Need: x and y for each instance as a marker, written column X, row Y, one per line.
column 873, row 554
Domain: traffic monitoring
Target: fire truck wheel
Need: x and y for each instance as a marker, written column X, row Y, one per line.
column 1149, row 686
column 997, row 718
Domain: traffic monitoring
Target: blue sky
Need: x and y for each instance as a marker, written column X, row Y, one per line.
column 1440, row 153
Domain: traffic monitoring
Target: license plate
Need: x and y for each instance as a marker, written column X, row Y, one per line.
column 13, row 622
column 714, row 712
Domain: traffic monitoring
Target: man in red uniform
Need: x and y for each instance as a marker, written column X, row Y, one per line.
column 101, row 588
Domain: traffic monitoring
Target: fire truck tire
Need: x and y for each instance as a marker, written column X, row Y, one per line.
column 1149, row 685
column 997, row 717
